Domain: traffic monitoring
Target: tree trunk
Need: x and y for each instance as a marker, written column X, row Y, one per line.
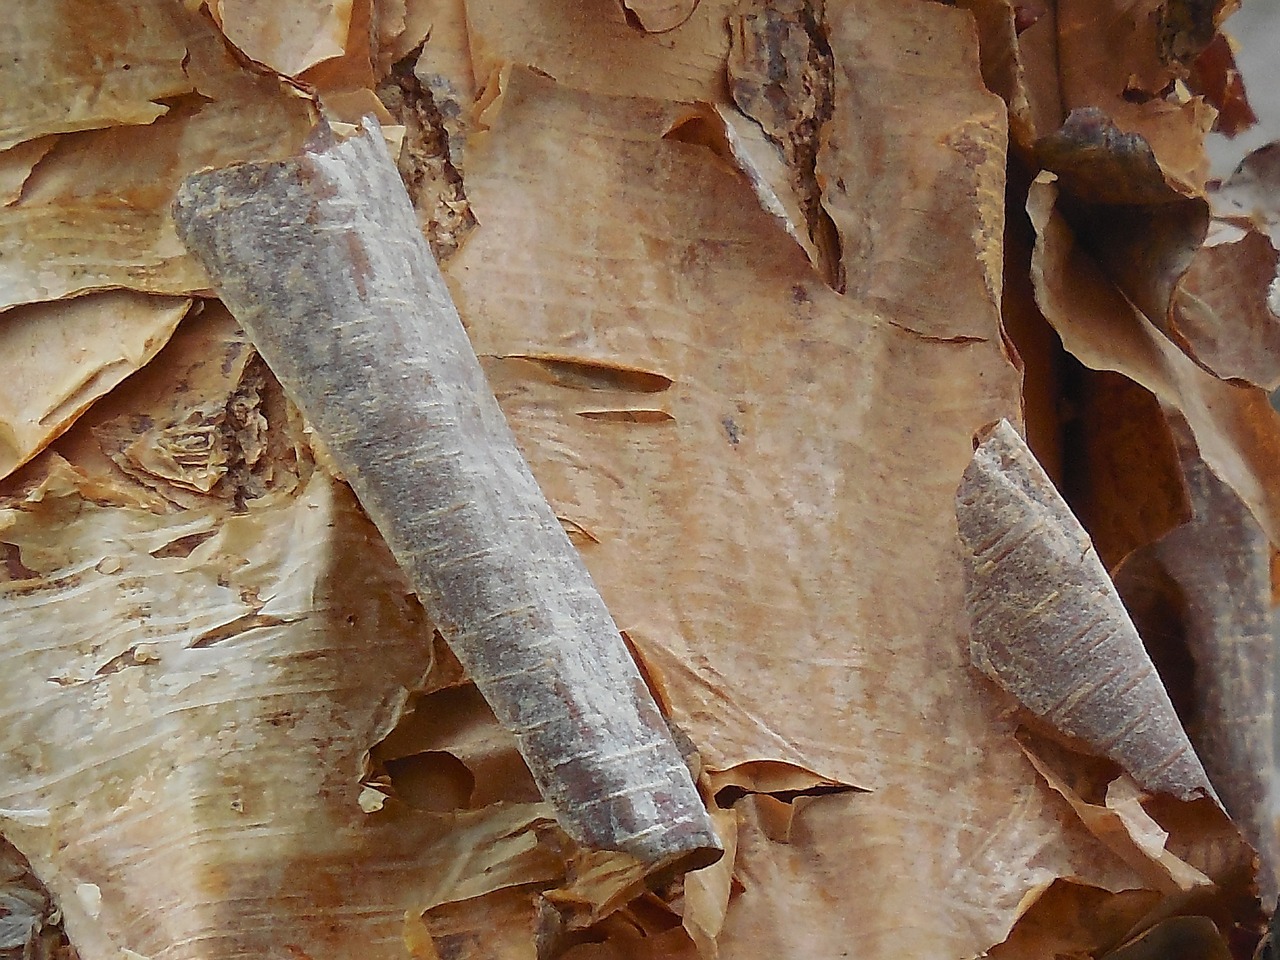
column 750, row 281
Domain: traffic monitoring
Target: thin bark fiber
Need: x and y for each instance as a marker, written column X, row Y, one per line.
column 321, row 259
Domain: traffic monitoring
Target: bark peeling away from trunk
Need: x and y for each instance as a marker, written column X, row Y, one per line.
column 1048, row 626
column 321, row 259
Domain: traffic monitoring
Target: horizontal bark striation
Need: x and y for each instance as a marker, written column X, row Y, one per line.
column 321, row 259
column 1048, row 626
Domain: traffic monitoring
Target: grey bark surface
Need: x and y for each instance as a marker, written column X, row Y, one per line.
column 1047, row 624
column 1221, row 564
column 320, row 258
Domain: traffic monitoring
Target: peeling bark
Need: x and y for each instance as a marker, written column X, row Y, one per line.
column 1217, row 566
column 1048, row 626
column 780, row 74
column 321, row 259
column 659, row 16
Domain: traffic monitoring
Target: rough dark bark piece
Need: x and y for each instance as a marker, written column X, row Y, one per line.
column 1047, row 624
column 321, row 260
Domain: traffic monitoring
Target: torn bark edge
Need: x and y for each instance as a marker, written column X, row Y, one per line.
column 320, row 258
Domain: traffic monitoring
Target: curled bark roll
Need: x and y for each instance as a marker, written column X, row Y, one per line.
column 1047, row 625
column 320, row 258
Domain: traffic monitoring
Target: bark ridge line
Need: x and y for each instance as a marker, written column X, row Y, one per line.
column 321, row 259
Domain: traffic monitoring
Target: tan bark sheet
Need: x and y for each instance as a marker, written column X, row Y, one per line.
column 58, row 358
column 1236, row 429
column 94, row 215
column 1222, row 310
column 590, row 45
column 286, row 35
column 16, row 165
column 768, row 516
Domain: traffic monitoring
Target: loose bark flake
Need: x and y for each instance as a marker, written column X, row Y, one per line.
column 1048, row 626
column 1222, row 314
column 56, row 359
column 321, row 259
column 94, row 214
column 595, row 44
column 1233, row 425
column 287, row 37
column 45, row 91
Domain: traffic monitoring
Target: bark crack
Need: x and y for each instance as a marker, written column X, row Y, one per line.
column 781, row 74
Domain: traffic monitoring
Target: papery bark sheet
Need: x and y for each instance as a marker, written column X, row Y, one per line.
column 321, row 259
column 1223, row 317
column 48, row 85
column 58, row 358
column 287, row 36
column 1235, row 428
column 658, row 16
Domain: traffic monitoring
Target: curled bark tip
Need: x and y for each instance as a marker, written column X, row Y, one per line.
column 1047, row 625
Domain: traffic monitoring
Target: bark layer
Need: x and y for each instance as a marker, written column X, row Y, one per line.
column 321, row 260
column 1048, row 626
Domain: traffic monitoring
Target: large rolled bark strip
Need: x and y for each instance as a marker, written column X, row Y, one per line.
column 1047, row 624
column 321, row 259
